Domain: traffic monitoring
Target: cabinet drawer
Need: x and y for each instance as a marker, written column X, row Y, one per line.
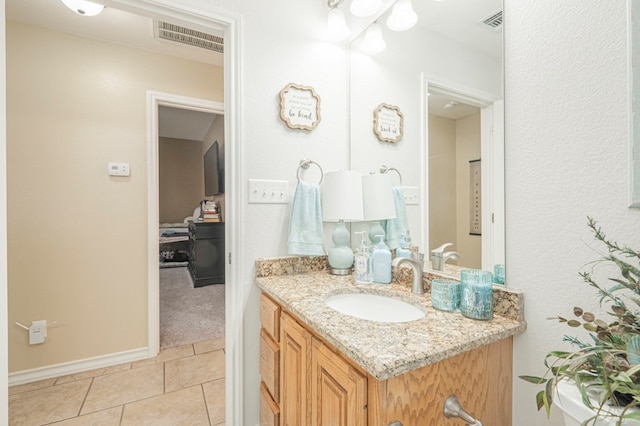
column 270, row 364
column 269, row 410
column 270, row 317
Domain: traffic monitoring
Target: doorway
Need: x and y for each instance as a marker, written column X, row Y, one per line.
column 207, row 16
column 491, row 208
column 191, row 299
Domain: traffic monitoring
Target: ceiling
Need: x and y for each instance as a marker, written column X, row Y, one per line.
column 456, row 19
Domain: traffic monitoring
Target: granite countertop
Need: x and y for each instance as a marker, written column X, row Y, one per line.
column 385, row 350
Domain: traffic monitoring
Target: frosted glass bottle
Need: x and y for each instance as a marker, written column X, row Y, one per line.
column 362, row 269
column 403, row 249
column 381, row 260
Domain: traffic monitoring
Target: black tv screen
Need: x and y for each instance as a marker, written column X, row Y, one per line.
column 213, row 171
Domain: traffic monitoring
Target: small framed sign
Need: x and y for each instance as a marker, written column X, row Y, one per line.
column 299, row 107
column 388, row 123
column 475, row 198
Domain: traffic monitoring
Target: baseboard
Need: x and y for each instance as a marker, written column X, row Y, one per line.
column 73, row 367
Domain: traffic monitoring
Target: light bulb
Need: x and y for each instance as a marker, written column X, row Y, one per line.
column 337, row 29
column 373, row 42
column 364, row 8
column 83, row 7
column 402, row 16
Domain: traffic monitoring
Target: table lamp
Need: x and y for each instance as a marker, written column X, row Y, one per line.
column 341, row 202
column 378, row 202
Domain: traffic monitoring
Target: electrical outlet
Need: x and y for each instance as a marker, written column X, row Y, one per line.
column 410, row 195
column 37, row 332
column 268, row 191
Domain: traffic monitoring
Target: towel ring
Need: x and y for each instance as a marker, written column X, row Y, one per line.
column 304, row 164
column 385, row 169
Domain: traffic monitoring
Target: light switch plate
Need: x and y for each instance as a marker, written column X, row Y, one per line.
column 411, row 196
column 263, row 191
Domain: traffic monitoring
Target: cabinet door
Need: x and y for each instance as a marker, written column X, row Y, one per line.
column 338, row 391
column 481, row 379
column 295, row 355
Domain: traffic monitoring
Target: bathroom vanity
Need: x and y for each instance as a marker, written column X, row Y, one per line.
column 319, row 366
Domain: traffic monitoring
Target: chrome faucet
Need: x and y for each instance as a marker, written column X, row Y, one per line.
column 439, row 256
column 417, row 265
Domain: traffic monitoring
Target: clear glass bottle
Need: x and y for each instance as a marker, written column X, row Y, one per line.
column 362, row 269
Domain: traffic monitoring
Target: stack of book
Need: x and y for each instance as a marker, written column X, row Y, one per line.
column 210, row 211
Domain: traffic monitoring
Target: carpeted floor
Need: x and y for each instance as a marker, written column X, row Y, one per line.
column 188, row 314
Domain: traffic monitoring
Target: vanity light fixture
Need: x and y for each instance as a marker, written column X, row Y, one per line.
column 402, row 17
column 364, row 8
column 337, row 28
column 83, row 7
column 341, row 202
column 449, row 105
column 373, row 42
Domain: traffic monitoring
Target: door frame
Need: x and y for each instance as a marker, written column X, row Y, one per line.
column 492, row 154
column 209, row 17
column 154, row 101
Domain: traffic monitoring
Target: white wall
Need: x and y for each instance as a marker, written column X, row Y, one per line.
column 566, row 158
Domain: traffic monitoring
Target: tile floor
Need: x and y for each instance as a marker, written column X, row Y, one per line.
column 181, row 386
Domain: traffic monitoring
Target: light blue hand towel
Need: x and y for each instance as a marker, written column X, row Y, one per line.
column 305, row 224
column 394, row 229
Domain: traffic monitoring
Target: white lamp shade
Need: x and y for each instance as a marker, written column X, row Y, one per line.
column 82, row 7
column 342, row 196
column 373, row 42
column 402, row 16
column 378, row 198
column 337, row 28
column 364, row 8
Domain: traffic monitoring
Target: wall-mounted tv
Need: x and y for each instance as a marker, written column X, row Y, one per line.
column 213, row 171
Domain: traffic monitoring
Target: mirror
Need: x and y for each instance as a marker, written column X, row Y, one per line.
column 445, row 76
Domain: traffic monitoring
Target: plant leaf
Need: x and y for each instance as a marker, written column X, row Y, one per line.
column 533, row 379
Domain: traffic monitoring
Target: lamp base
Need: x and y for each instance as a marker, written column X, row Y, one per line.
column 339, row 271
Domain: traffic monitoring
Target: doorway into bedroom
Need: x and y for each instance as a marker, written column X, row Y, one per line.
column 191, row 223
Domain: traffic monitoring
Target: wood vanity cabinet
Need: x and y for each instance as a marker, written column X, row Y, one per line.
column 320, row 386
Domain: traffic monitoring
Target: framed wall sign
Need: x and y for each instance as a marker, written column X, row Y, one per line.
column 388, row 123
column 475, row 198
column 299, row 107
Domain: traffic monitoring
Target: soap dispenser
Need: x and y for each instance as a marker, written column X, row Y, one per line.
column 404, row 249
column 381, row 260
column 362, row 262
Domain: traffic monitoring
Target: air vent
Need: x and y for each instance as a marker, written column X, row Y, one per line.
column 494, row 21
column 178, row 34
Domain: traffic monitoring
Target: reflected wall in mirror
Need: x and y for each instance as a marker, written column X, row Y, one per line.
column 453, row 54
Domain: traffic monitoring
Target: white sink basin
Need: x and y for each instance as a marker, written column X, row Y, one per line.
column 373, row 307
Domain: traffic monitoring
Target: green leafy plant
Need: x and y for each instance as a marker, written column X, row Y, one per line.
column 607, row 365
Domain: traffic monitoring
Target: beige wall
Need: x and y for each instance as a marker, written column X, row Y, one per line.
column 181, row 176
column 76, row 236
column 468, row 148
column 442, row 182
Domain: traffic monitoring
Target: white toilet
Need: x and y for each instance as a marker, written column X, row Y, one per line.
column 569, row 401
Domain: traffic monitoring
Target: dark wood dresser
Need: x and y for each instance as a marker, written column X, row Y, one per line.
column 206, row 253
